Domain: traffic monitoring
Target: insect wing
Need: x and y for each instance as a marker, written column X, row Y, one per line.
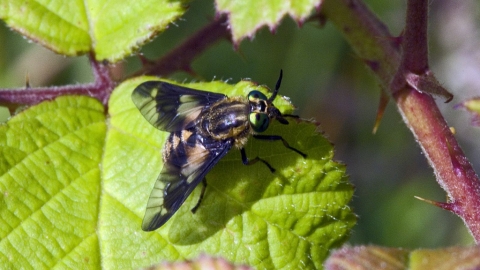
column 171, row 107
column 187, row 159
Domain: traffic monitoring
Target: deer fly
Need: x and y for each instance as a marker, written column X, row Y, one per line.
column 203, row 127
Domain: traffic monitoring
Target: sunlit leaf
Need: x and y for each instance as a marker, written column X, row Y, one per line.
column 246, row 17
column 74, row 187
column 109, row 29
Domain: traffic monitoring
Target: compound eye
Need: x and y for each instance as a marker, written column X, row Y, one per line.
column 255, row 96
column 259, row 121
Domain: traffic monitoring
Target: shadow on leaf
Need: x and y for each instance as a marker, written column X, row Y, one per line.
column 234, row 188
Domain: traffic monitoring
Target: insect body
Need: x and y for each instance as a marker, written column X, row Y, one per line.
column 204, row 126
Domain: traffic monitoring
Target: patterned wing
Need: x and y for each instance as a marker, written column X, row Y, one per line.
column 171, row 107
column 188, row 157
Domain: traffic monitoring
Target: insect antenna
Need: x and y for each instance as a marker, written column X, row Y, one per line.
column 277, row 86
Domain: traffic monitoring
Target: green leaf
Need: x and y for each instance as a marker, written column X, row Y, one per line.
column 109, row 29
column 246, row 17
column 107, row 170
column 50, row 185
column 251, row 216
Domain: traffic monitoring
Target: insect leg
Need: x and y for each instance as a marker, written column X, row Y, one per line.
column 291, row 115
column 253, row 161
column 204, row 187
column 279, row 138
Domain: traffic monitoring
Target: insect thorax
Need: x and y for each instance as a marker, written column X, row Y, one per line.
column 226, row 119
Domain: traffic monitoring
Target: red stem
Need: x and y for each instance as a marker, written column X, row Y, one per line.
column 182, row 56
column 415, row 43
column 100, row 89
column 453, row 171
column 372, row 42
column 178, row 59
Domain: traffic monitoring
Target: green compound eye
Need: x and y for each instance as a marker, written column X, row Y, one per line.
column 256, row 95
column 259, row 121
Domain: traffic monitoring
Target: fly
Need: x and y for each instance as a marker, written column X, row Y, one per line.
column 203, row 127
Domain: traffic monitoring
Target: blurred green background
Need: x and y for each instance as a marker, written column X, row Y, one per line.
column 329, row 83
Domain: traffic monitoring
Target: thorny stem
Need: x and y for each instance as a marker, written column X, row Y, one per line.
column 178, row 59
column 182, row 56
column 372, row 42
column 415, row 42
column 452, row 169
column 100, row 89
column 103, row 85
column 413, row 70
